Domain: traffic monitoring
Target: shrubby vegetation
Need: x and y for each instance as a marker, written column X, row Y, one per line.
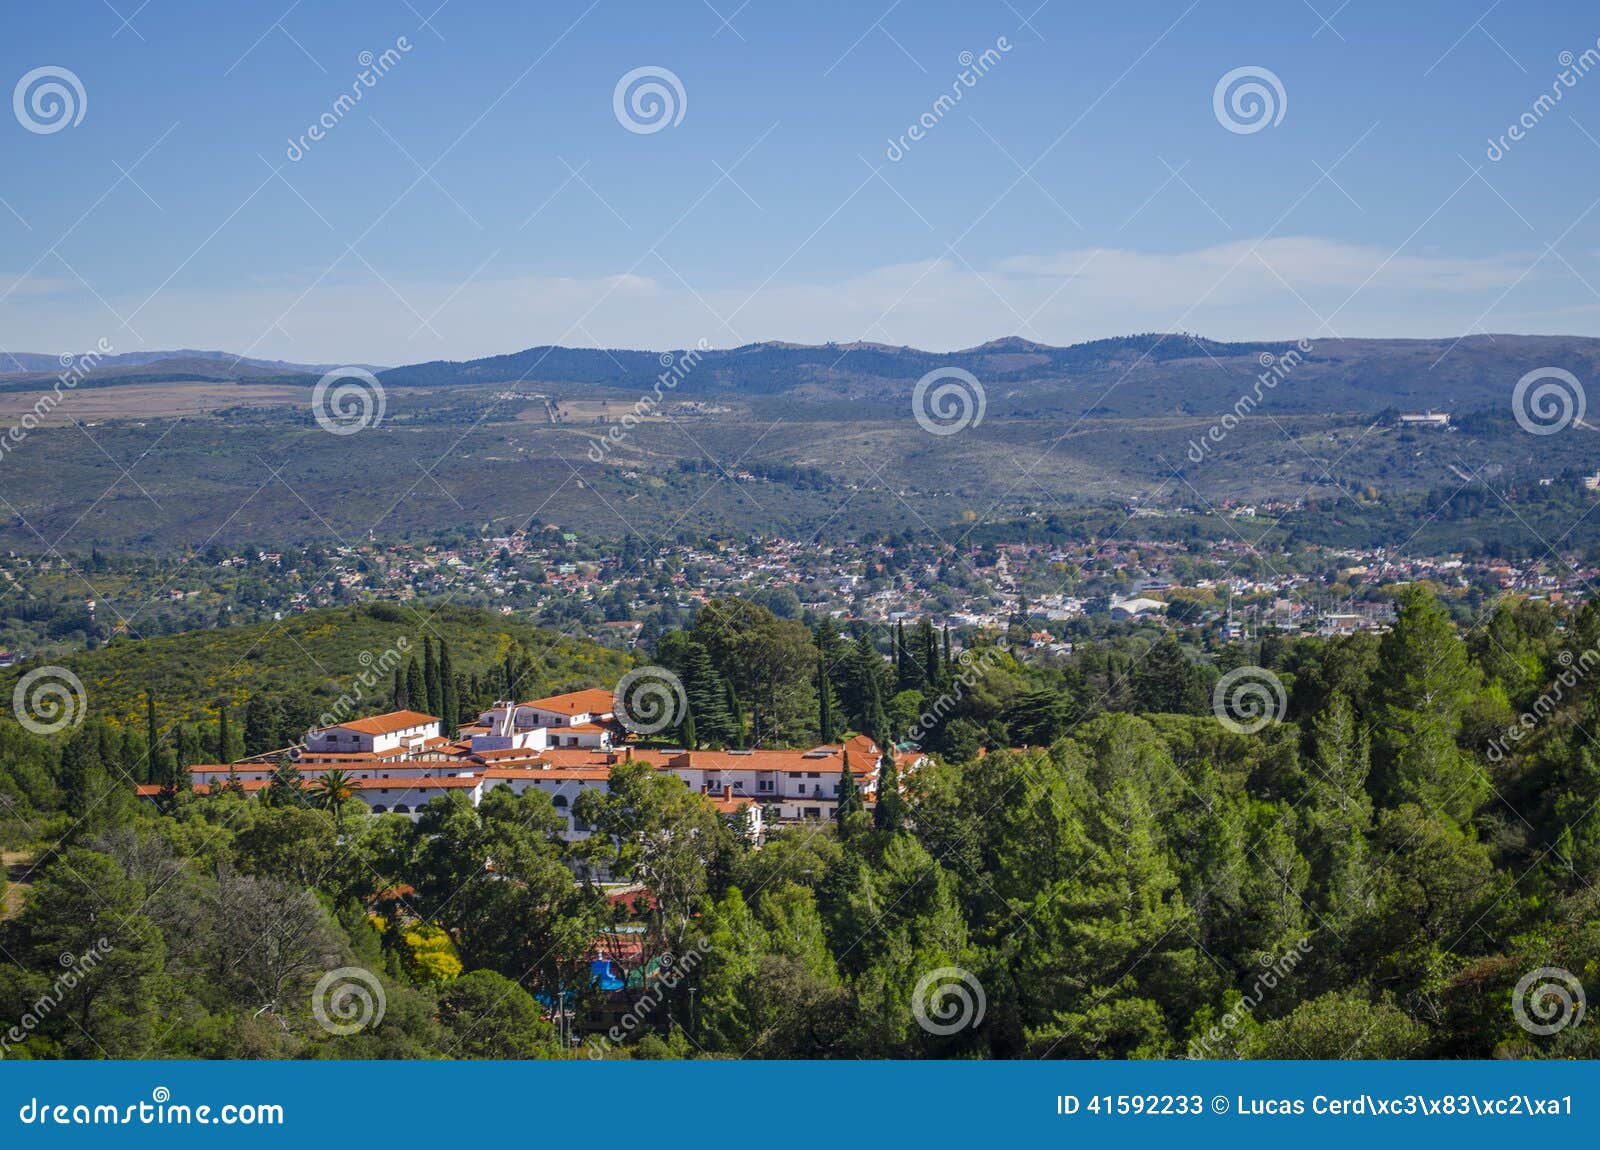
column 1123, row 887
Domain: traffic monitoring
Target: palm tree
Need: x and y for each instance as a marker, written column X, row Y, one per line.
column 332, row 791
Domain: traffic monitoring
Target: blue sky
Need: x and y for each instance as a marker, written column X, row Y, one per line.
column 1083, row 186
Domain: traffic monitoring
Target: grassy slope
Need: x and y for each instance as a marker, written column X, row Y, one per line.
column 318, row 655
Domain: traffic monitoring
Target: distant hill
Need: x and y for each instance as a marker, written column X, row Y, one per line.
column 308, row 661
column 1144, row 374
column 30, row 361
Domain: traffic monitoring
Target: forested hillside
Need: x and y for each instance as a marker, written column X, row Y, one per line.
column 1368, row 856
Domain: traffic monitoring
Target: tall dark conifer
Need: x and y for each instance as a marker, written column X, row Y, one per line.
column 449, row 694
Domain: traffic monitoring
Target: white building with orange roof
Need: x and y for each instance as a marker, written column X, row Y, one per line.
column 397, row 730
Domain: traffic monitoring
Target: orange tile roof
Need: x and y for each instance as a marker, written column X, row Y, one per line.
column 593, row 701
column 385, row 724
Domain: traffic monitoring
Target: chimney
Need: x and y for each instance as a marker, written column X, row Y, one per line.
column 727, row 791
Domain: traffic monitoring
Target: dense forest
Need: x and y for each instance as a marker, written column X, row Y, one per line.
column 1102, row 858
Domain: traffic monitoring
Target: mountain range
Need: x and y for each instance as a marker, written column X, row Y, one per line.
column 1134, row 376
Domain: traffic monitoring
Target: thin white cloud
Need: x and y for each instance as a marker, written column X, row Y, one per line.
column 1278, row 288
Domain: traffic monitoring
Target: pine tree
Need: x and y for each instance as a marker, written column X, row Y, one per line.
column 707, row 695
column 287, row 785
column 449, row 694
column 890, row 813
column 825, row 720
column 736, row 716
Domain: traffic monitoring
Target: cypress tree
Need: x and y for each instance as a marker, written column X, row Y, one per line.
column 449, row 694
column 947, row 647
column 686, row 732
column 928, row 640
column 400, row 700
column 416, row 689
column 430, row 677
column 849, row 794
column 152, row 740
column 224, row 735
